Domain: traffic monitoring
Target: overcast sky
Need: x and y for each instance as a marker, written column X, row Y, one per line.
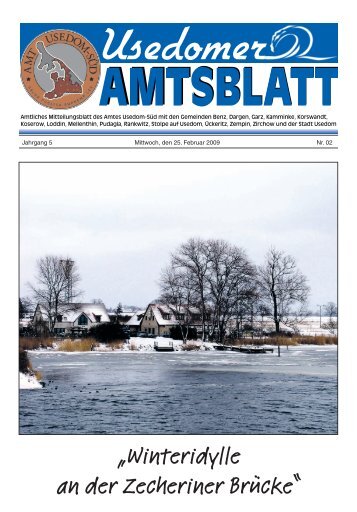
column 120, row 222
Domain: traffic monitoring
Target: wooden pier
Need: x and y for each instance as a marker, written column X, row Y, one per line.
column 244, row 350
column 164, row 346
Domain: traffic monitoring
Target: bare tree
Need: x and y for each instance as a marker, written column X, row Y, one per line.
column 331, row 311
column 247, row 306
column 230, row 279
column 56, row 286
column 25, row 306
column 178, row 293
column 262, row 311
column 283, row 288
column 192, row 258
column 212, row 276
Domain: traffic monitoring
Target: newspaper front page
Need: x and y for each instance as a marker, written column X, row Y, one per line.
column 177, row 188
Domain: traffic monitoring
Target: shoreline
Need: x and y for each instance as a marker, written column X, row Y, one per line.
column 206, row 347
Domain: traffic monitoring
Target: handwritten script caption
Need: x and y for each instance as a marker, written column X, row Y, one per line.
column 209, row 458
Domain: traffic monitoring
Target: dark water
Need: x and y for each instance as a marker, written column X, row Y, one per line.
column 183, row 393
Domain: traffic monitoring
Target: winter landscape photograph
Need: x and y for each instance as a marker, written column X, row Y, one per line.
column 178, row 298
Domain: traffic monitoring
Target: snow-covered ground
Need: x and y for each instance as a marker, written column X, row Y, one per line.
column 147, row 344
column 311, row 326
column 28, row 381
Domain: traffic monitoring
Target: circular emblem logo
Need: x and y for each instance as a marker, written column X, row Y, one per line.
column 60, row 69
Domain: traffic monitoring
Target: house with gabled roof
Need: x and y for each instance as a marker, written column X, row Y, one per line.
column 74, row 319
column 134, row 322
column 159, row 318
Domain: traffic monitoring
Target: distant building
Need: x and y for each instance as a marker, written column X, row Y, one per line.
column 25, row 325
column 134, row 322
column 74, row 319
column 121, row 318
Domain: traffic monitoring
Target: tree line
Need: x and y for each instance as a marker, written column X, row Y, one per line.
column 210, row 279
column 218, row 280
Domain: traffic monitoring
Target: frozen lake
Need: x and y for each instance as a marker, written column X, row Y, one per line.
column 183, row 393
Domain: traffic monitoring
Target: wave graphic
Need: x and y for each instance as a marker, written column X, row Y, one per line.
column 302, row 41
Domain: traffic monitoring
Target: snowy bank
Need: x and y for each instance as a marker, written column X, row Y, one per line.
column 147, row 345
column 28, row 381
